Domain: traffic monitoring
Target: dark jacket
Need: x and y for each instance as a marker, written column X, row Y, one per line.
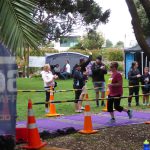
column 132, row 76
column 98, row 73
column 84, row 64
column 145, row 79
column 79, row 80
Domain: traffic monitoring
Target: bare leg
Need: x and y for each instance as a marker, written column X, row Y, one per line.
column 80, row 102
column 76, row 106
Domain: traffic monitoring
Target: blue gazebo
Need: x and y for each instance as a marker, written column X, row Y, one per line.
column 135, row 53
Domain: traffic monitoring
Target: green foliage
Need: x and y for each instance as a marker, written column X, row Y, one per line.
column 115, row 55
column 109, row 43
column 145, row 22
column 119, row 44
column 93, row 40
column 17, row 27
column 62, row 15
column 95, row 53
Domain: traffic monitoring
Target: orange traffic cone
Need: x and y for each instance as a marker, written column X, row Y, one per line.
column 88, row 128
column 52, row 108
column 147, row 122
column 34, row 141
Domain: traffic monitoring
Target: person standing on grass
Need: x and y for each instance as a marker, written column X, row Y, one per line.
column 98, row 72
column 48, row 79
column 83, row 64
column 134, row 79
column 145, row 80
column 78, row 84
column 116, row 90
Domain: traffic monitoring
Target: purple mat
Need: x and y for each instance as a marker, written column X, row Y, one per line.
column 99, row 121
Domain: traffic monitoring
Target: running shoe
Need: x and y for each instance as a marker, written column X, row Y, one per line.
column 129, row 112
column 111, row 121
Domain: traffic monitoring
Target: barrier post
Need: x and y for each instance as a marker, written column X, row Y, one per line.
column 52, row 108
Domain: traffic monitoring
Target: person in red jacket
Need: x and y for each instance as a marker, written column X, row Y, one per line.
column 116, row 90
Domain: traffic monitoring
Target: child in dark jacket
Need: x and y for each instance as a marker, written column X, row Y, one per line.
column 145, row 80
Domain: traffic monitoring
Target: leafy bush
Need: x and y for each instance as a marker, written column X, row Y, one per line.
column 115, row 55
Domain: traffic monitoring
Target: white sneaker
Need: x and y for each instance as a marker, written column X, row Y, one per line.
column 78, row 111
column 82, row 108
column 147, row 104
column 144, row 104
column 46, row 110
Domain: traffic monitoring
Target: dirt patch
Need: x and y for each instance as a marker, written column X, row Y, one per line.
column 115, row 138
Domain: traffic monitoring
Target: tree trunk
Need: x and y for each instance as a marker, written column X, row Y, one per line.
column 137, row 27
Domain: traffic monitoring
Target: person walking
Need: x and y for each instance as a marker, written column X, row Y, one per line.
column 116, row 90
column 78, row 84
column 98, row 72
column 134, row 79
column 48, row 79
column 145, row 80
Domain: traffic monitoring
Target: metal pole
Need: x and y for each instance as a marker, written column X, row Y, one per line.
column 142, row 61
column 146, row 62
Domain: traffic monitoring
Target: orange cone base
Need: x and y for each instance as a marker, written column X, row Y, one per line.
column 35, row 147
column 53, row 115
column 147, row 122
column 88, row 132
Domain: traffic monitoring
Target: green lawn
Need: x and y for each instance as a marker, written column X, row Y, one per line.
column 63, row 108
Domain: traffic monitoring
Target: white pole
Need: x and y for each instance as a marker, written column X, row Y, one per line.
column 142, row 61
column 146, row 62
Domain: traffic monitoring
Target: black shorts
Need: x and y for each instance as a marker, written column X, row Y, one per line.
column 145, row 90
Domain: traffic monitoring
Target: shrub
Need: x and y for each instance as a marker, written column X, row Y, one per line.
column 115, row 55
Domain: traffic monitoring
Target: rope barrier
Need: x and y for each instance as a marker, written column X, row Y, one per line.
column 67, row 101
column 69, row 90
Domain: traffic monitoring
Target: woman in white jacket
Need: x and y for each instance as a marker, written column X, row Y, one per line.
column 48, row 79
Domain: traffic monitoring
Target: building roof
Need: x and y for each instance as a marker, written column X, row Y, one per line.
column 136, row 48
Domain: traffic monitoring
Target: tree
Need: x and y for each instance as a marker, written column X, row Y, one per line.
column 119, row 44
column 138, row 30
column 59, row 17
column 18, row 29
column 17, row 26
column 92, row 40
column 109, row 43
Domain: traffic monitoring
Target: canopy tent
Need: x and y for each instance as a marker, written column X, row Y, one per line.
column 59, row 58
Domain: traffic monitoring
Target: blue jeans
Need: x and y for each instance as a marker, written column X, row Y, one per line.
column 65, row 75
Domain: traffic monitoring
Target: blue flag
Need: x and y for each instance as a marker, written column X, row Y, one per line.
column 8, row 92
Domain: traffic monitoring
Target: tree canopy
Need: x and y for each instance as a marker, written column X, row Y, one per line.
column 60, row 17
column 93, row 40
column 109, row 43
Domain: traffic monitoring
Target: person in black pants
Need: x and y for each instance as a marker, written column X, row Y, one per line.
column 116, row 90
column 78, row 84
column 134, row 79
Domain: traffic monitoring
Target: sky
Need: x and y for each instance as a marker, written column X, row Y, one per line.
column 119, row 27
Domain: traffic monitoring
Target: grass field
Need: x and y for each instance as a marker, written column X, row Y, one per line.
column 63, row 108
